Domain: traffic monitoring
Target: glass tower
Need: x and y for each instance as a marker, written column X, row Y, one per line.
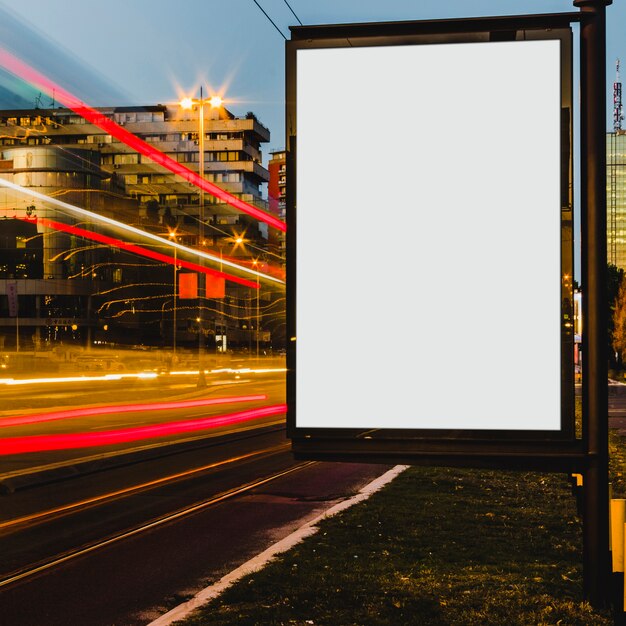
column 616, row 198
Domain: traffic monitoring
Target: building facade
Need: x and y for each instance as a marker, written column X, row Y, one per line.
column 59, row 154
column 276, row 192
column 616, row 197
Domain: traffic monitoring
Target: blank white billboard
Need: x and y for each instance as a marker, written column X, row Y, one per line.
column 429, row 237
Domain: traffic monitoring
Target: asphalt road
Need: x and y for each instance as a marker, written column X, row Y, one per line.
column 26, row 411
column 134, row 580
column 58, row 503
column 617, row 407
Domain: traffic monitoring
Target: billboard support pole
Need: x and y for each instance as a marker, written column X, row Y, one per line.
column 595, row 349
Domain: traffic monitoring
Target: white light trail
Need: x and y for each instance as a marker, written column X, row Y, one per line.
column 140, row 375
column 137, row 231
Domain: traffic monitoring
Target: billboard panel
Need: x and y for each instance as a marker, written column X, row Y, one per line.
column 427, row 254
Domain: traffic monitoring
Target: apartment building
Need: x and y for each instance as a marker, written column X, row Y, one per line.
column 60, row 154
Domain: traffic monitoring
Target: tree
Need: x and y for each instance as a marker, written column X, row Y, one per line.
column 616, row 303
column 619, row 323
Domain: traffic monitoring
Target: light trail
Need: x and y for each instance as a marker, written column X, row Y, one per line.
column 141, row 375
column 127, row 227
column 75, row 379
column 72, row 441
column 36, row 418
column 24, row 71
column 135, row 249
column 248, row 370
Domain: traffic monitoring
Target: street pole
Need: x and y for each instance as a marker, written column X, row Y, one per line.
column 175, row 291
column 187, row 103
column 162, row 325
column 201, row 276
column 258, row 316
column 593, row 229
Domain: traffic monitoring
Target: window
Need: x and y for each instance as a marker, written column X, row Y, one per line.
column 126, row 159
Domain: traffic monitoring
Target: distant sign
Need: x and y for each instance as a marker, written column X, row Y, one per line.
column 13, row 302
column 444, row 206
column 187, row 285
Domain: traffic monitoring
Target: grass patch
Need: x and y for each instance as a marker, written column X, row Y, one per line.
column 617, row 463
column 436, row 546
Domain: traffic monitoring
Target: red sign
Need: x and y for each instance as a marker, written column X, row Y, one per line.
column 188, row 286
column 215, row 287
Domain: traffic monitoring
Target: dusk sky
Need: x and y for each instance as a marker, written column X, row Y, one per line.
column 155, row 51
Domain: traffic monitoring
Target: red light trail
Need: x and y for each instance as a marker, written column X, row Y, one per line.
column 135, row 249
column 39, row 443
column 22, row 70
column 36, row 418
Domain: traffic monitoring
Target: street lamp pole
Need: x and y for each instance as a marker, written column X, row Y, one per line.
column 187, row 103
column 175, row 291
column 201, row 276
column 174, row 295
column 258, row 316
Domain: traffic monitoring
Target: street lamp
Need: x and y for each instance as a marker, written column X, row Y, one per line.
column 188, row 103
column 172, row 235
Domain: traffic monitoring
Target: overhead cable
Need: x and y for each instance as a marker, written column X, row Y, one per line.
column 270, row 19
column 294, row 13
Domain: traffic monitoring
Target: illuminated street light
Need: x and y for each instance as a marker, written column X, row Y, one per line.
column 186, row 103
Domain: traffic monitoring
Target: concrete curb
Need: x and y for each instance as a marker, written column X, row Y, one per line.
column 258, row 562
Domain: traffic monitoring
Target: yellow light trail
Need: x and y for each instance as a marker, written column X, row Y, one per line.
column 140, row 375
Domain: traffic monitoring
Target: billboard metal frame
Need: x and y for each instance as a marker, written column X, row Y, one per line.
column 427, row 446
column 561, row 451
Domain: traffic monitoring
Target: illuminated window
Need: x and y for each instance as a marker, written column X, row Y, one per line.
column 126, row 159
